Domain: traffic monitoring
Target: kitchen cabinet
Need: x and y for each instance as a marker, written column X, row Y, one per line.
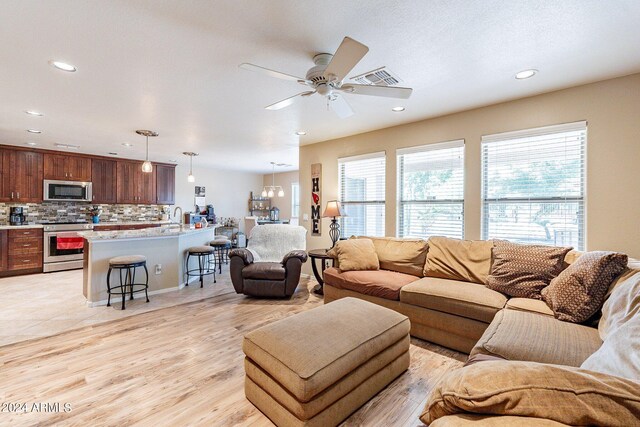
column 103, row 177
column 5, row 175
column 67, row 168
column 4, row 250
column 165, row 185
column 24, row 249
column 21, row 174
column 133, row 185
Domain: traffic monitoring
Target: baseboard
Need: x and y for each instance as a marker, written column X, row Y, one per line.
column 116, row 298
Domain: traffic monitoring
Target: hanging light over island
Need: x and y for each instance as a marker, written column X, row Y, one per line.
column 147, row 167
column 190, row 178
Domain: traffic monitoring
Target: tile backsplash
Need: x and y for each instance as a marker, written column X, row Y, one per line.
column 70, row 212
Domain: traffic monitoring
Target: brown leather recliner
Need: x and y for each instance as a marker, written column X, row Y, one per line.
column 266, row 279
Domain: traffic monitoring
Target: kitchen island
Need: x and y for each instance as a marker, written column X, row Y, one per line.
column 164, row 247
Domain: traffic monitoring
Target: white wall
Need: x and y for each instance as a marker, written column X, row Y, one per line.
column 228, row 191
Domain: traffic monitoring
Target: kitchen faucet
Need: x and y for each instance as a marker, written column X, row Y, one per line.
column 174, row 213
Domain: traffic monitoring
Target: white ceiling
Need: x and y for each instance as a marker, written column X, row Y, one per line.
column 172, row 66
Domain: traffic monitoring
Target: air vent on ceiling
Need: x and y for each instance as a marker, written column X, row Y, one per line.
column 378, row 77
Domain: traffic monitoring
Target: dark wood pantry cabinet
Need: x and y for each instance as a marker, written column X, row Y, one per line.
column 165, row 184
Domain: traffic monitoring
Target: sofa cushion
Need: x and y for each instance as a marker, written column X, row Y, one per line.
column 307, row 363
column 524, row 270
column 476, row 420
column 464, row 260
column 264, row 271
column 563, row 394
column 529, row 305
column 519, row 335
column 470, row 300
column 621, row 306
column 379, row 283
column 355, row 255
column 620, row 352
column 578, row 292
column 402, row 255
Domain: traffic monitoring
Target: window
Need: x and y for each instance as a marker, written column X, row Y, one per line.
column 295, row 200
column 533, row 185
column 361, row 180
column 431, row 190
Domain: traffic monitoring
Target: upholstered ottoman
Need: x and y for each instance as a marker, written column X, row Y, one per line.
column 317, row 367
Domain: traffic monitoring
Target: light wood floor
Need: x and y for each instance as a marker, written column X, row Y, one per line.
column 180, row 366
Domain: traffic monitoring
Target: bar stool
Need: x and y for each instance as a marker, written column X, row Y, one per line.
column 203, row 253
column 128, row 264
column 221, row 248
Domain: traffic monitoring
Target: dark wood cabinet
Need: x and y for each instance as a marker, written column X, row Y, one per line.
column 4, row 250
column 133, row 185
column 24, row 249
column 21, row 174
column 103, row 177
column 165, row 185
column 67, row 168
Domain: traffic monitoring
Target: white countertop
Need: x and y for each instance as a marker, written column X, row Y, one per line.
column 145, row 233
column 18, row 227
column 107, row 223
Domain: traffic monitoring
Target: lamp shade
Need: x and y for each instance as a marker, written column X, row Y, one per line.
column 333, row 209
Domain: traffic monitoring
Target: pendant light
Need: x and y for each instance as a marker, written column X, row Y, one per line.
column 270, row 190
column 190, row 178
column 147, row 167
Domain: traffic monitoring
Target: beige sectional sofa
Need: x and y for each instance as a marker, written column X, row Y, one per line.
column 449, row 304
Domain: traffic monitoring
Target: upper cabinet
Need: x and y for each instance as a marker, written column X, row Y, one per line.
column 21, row 174
column 67, row 168
column 165, row 185
column 135, row 186
column 103, row 177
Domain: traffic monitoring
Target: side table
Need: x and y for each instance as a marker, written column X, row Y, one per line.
column 319, row 254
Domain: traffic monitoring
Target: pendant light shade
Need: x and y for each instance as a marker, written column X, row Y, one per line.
column 147, row 167
column 190, row 178
column 270, row 190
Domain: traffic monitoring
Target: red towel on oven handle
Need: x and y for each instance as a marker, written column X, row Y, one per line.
column 66, row 243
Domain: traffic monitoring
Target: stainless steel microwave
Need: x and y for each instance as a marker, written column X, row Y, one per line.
column 70, row 191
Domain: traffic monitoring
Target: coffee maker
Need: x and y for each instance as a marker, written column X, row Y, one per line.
column 211, row 215
column 16, row 216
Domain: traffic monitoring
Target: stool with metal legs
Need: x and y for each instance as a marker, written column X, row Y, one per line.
column 221, row 247
column 203, row 253
column 127, row 264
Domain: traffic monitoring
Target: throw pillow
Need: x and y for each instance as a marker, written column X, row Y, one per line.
column 401, row 255
column 524, row 270
column 619, row 354
column 464, row 260
column 623, row 304
column 560, row 393
column 578, row 292
column 355, row 254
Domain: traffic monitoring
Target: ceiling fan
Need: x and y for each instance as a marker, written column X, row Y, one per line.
column 327, row 76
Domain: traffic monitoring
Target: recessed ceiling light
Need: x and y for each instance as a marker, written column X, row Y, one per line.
column 525, row 74
column 173, row 161
column 70, row 146
column 301, row 133
column 63, row 66
column 34, row 131
column 113, row 153
column 126, row 144
column 33, row 113
column 31, row 143
column 397, row 109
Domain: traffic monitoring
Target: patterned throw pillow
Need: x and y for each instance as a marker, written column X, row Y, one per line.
column 524, row 270
column 579, row 291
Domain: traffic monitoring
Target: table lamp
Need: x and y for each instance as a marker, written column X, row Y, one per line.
column 334, row 210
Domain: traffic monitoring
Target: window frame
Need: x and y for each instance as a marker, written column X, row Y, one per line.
column 533, row 132
column 458, row 143
column 295, row 207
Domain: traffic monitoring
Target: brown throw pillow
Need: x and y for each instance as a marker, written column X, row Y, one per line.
column 524, row 270
column 579, row 291
column 560, row 393
column 355, row 254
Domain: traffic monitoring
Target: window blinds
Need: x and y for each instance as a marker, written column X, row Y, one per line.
column 533, row 185
column 362, row 193
column 431, row 190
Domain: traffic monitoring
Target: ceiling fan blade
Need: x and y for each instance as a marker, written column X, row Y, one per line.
column 272, row 73
column 386, row 91
column 349, row 53
column 288, row 101
column 341, row 107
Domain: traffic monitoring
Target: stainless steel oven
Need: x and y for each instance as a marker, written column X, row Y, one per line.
column 74, row 191
column 63, row 247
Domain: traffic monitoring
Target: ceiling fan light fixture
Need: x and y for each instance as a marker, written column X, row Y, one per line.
column 526, row 74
